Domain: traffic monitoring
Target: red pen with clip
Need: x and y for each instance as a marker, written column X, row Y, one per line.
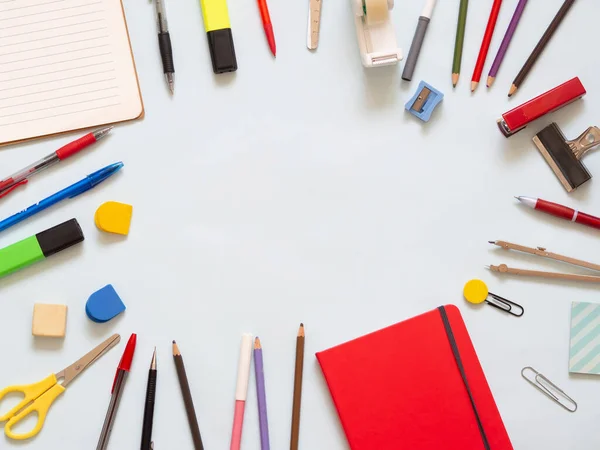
column 117, row 390
column 564, row 212
column 22, row 176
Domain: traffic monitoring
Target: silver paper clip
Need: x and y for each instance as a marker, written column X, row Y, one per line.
column 549, row 389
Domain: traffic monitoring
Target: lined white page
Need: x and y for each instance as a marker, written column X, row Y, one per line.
column 64, row 65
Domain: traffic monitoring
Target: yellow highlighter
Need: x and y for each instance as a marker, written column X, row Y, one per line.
column 218, row 32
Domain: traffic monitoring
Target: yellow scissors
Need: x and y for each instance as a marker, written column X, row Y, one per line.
column 40, row 396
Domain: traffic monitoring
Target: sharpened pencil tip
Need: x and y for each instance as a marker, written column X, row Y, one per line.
column 492, row 242
column 455, row 79
column 301, row 330
column 512, row 90
column 490, row 81
column 257, row 345
column 474, row 85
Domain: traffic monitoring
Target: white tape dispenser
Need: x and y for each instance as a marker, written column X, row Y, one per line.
column 375, row 33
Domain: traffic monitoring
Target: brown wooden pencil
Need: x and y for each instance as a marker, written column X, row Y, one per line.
column 187, row 398
column 541, row 45
column 297, row 389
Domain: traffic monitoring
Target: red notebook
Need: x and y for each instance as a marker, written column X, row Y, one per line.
column 417, row 385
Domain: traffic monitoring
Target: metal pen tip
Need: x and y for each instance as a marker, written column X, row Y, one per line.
column 102, row 132
column 153, row 363
column 170, row 77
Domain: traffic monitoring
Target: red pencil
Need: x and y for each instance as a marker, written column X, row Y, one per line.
column 266, row 20
column 485, row 44
column 561, row 211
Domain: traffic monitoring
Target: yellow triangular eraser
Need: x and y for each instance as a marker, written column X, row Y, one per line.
column 114, row 217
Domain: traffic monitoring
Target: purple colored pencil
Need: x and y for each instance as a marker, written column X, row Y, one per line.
column 262, row 396
column 512, row 26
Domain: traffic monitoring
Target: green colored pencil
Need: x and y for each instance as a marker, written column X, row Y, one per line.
column 460, row 39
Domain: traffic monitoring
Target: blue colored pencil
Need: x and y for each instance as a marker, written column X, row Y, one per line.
column 261, row 395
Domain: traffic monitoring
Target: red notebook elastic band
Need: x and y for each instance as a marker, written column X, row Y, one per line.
column 461, row 369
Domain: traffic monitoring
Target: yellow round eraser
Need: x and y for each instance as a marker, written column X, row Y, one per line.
column 114, row 217
column 475, row 291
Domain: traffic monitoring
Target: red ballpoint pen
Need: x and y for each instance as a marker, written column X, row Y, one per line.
column 266, row 20
column 116, row 391
column 561, row 211
column 22, row 176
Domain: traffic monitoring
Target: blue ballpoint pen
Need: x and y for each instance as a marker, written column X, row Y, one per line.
column 74, row 190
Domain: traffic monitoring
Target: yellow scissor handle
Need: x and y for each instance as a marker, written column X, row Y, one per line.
column 38, row 397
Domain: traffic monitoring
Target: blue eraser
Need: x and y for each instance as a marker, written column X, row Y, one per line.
column 104, row 305
column 424, row 101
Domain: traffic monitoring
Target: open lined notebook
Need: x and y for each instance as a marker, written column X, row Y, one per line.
column 64, row 65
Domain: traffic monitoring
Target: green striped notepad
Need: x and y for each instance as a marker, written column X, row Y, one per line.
column 584, row 349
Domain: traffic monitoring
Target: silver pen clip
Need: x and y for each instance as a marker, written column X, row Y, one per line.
column 548, row 388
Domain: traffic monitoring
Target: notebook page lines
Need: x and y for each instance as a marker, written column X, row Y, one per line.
column 56, row 61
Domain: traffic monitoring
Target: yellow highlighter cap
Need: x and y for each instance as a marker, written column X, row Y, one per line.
column 114, row 217
column 475, row 291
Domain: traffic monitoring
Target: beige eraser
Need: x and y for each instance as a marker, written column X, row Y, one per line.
column 49, row 320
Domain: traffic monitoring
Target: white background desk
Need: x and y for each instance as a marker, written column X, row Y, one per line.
column 298, row 189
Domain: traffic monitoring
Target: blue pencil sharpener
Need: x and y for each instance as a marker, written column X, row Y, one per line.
column 424, row 101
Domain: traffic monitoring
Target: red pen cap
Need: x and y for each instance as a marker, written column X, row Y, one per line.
column 126, row 359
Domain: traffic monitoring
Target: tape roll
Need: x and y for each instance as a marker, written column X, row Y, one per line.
column 376, row 11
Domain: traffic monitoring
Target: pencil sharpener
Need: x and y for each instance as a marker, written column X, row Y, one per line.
column 424, row 101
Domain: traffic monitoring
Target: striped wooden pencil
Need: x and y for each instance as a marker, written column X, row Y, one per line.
column 299, row 369
column 510, row 32
column 485, row 44
column 261, row 396
column 541, row 45
column 460, row 39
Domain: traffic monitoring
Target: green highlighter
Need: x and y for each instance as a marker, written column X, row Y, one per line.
column 39, row 247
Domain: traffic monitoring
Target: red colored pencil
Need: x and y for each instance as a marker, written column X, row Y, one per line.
column 564, row 212
column 266, row 20
column 485, row 44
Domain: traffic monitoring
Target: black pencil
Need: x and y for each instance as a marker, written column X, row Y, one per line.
column 541, row 45
column 149, row 408
column 187, row 398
